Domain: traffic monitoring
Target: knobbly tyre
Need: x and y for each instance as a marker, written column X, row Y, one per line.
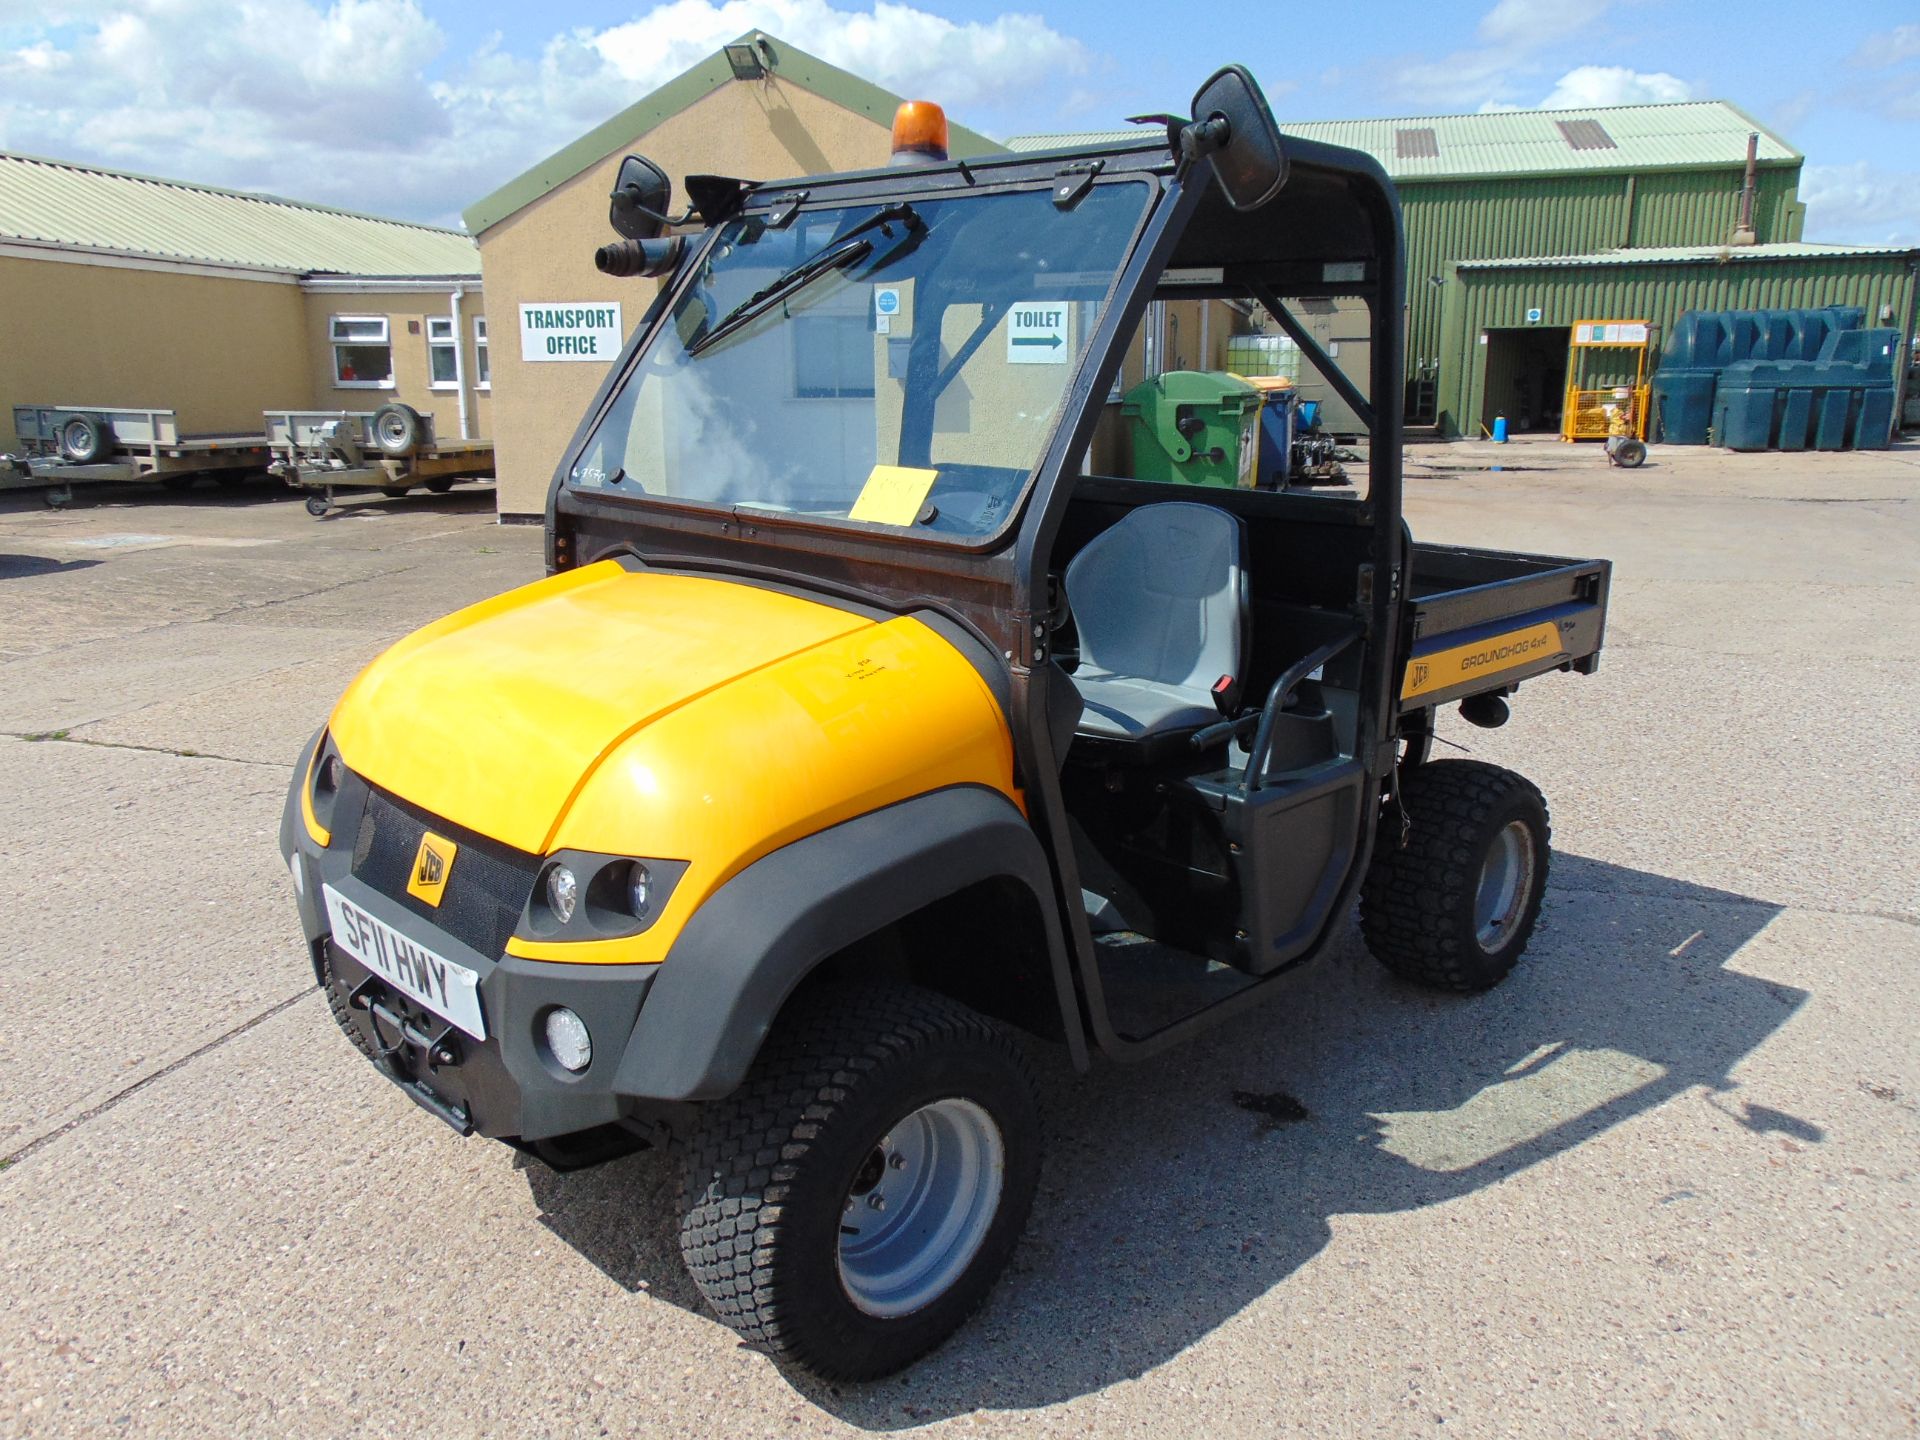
column 871, row 714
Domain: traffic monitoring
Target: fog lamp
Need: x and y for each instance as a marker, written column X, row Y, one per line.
column 563, row 891
column 567, row 1039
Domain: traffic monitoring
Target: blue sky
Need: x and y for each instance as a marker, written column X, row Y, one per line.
column 417, row 107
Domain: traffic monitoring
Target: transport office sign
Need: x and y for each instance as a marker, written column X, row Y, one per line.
column 571, row 330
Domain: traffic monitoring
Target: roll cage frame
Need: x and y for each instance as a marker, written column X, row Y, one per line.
column 1333, row 231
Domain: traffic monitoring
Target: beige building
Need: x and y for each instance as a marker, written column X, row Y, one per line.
column 760, row 109
column 126, row 291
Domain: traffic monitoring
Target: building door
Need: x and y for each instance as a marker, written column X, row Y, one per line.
column 1526, row 378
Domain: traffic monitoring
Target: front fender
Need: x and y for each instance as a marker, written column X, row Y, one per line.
column 747, row 947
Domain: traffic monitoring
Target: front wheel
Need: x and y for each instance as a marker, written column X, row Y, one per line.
column 853, row 1202
column 1455, row 906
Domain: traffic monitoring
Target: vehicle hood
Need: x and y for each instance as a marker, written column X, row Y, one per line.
column 498, row 715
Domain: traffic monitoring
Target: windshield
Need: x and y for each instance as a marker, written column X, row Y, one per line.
column 900, row 364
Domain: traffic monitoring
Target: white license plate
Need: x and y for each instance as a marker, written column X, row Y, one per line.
column 449, row 990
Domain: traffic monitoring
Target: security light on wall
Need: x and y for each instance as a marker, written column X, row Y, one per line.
column 1435, row 281
column 750, row 59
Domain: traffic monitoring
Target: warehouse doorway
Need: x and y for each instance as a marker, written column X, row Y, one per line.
column 1526, row 378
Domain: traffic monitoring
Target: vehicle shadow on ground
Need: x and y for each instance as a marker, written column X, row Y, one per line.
column 1167, row 1207
column 16, row 566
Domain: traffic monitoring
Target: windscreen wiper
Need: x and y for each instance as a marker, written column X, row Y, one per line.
column 849, row 249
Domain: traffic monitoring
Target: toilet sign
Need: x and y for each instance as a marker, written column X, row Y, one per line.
column 1037, row 333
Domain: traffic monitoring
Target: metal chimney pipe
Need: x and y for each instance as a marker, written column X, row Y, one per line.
column 1744, row 235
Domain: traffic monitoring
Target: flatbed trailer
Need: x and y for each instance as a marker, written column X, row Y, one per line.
column 67, row 445
column 392, row 450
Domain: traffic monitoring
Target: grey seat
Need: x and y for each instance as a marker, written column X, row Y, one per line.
column 1160, row 603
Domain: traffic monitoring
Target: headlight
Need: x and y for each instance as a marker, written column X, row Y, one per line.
column 639, row 890
column 568, row 1041
column 563, row 892
column 583, row 896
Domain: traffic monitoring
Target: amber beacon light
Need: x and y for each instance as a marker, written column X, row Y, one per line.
column 919, row 133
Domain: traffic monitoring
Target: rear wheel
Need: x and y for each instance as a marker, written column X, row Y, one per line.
column 1455, row 907
column 439, row 487
column 853, row 1202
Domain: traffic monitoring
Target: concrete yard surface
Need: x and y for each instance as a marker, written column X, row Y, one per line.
column 1661, row 1183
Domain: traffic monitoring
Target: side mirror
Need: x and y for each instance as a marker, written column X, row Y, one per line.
column 641, row 194
column 1232, row 122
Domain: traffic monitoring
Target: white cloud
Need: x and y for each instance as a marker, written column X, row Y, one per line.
column 1517, row 38
column 1889, row 47
column 1590, row 85
column 909, row 51
column 332, row 100
column 1859, row 204
column 1534, row 24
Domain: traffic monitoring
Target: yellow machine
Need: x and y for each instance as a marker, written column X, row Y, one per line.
column 1592, row 411
column 857, row 719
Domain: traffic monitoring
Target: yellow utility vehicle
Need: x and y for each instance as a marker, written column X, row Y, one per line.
column 873, row 719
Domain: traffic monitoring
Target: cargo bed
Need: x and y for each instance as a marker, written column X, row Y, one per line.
column 1484, row 620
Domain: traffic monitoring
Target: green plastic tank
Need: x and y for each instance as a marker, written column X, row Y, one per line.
column 1194, row 427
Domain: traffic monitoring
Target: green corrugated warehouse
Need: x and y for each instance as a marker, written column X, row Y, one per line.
column 1637, row 207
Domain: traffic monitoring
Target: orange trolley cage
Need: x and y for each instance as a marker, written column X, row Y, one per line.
column 1586, row 414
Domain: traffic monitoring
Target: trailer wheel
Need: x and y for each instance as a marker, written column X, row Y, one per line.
column 439, row 487
column 397, row 429
column 1455, row 907
column 317, row 506
column 86, row 439
column 852, row 1203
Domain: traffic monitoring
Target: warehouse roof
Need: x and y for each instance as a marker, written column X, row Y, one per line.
column 1696, row 255
column 68, row 206
column 775, row 59
column 1690, row 135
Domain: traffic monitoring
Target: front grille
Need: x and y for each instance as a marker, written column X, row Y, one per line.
column 486, row 889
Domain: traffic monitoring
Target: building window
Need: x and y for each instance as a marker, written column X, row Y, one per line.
column 832, row 357
column 362, row 353
column 482, row 372
column 443, row 365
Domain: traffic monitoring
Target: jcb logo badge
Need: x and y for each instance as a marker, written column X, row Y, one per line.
column 431, row 865
column 1418, row 680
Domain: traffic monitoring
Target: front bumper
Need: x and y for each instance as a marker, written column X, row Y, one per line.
column 506, row 1086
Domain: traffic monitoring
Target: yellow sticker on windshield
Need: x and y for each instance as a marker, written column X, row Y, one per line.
column 893, row 495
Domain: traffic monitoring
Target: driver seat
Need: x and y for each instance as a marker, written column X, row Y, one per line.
column 1160, row 601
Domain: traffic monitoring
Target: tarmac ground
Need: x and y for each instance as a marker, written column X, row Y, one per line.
column 1661, row 1183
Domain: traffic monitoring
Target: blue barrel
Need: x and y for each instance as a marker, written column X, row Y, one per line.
column 1499, row 429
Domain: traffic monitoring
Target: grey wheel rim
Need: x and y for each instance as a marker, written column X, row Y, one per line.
column 1506, row 880
column 919, row 1207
